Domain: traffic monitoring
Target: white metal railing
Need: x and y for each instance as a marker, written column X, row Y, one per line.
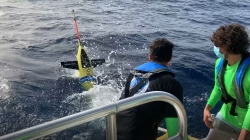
column 108, row 111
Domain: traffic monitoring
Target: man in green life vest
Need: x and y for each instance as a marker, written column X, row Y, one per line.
column 232, row 85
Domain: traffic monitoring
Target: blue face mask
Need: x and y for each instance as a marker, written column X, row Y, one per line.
column 217, row 52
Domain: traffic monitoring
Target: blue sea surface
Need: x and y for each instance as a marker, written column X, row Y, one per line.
column 36, row 35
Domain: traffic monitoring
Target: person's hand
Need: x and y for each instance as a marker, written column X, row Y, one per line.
column 208, row 119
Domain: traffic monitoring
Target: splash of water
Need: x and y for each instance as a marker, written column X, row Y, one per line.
column 97, row 96
column 4, row 88
column 102, row 94
column 1, row 13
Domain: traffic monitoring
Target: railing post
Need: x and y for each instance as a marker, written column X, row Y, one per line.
column 111, row 133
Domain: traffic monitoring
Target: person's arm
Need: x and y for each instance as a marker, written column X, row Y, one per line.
column 213, row 99
column 172, row 126
column 216, row 92
column 172, row 121
column 208, row 107
column 244, row 134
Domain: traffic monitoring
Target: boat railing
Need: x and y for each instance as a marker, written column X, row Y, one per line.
column 108, row 111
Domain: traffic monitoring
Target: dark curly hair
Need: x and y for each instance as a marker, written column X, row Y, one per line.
column 232, row 36
column 161, row 50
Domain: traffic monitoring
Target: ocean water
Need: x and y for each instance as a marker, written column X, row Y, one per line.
column 36, row 35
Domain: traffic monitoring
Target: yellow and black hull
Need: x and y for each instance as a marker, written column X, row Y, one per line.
column 84, row 66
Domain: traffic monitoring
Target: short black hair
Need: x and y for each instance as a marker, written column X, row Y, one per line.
column 233, row 36
column 161, row 50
